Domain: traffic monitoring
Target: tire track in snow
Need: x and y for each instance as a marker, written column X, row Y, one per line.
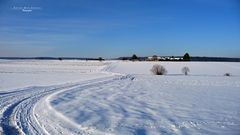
column 16, row 109
column 6, row 121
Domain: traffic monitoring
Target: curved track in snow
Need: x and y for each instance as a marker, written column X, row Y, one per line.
column 17, row 109
column 27, row 111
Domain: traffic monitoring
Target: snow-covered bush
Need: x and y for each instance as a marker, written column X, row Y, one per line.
column 158, row 70
column 185, row 70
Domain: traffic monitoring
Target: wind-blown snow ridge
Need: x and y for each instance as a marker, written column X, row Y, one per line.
column 63, row 125
column 127, row 106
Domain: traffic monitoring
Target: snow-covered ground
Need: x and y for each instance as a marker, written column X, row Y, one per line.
column 23, row 73
column 116, row 97
column 174, row 68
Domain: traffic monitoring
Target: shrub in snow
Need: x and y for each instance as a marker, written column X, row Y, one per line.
column 185, row 70
column 158, row 70
column 227, row 74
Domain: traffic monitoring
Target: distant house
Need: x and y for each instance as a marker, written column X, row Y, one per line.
column 175, row 58
column 158, row 58
column 153, row 58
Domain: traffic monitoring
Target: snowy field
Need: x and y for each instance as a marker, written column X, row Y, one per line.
column 118, row 98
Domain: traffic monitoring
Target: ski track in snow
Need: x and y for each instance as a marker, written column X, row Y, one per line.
column 17, row 109
column 20, row 113
column 125, row 104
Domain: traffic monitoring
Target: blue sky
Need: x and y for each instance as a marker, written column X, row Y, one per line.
column 113, row 28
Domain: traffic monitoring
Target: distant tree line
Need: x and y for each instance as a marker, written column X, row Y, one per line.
column 185, row 57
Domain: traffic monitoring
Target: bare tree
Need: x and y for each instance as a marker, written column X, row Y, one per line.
column 158, row 70
column 185, row 70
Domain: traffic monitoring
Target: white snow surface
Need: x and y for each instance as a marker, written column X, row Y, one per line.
column 23, row 73
column 120, row 98
column 174, row 68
